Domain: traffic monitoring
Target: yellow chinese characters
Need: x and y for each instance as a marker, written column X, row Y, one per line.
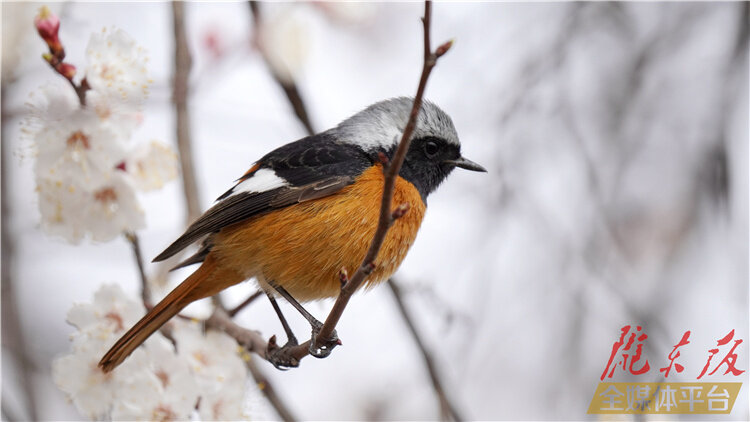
column 664, row 398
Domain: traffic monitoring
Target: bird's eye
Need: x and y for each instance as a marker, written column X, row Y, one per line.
column 431, row 149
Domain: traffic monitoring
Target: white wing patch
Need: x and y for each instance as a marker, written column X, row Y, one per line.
column 261, row 181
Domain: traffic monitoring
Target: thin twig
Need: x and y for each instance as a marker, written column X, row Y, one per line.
column 286, row 82
column 251, row 340
column 267, row 389
column 145, row 290
column 218, row 302
column 182, row 63
column 447, row 408
column 386, row 218
column 300, row 110
column 80, row 90
column 247, row 301
column 13, row 335
column 180, row 94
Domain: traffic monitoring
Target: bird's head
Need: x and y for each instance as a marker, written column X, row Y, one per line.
column 434, row 150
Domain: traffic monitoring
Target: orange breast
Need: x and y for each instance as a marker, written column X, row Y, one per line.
column 303, row 247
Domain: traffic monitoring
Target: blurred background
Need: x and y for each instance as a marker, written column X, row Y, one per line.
column 616, row 139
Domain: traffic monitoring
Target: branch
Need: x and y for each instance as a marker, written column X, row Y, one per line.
column 251, row 340
column 286, row 82
column 145, row 290
column 349, row 286
column 182, row 64
column 447, row 408
column 386, row 219
column 267, row 389
column 247, row 301
column 13, row 335
column 300, row 110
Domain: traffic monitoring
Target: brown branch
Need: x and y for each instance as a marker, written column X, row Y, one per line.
column 447, row 408
column 265, row 386
column 251, row 340
column 145, row 290
column 324, row 337
column 180, row 93
column 247, row 301
column 182, row 63
column 80, row 89
column 14, row 338
column 386, row 218
column 286, row 82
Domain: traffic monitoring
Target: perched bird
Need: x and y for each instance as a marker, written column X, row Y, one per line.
column 308, row 209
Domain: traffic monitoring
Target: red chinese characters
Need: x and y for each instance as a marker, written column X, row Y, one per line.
column 627, row 354
column 730, row 359
column 674, row 355
column 634, row 358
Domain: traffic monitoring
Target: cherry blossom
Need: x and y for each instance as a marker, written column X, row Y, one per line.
column 117, row 66
column 152, row 165
column 155, row 382
column 218, row 369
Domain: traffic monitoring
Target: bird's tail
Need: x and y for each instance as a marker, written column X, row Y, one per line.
column 206, row 281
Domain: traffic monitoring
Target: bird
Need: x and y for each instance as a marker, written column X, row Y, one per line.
column 309, row 209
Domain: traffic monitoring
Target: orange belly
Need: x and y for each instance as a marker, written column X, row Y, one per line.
column 303, row 247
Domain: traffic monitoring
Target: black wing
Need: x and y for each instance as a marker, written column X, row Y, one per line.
column 313, row 167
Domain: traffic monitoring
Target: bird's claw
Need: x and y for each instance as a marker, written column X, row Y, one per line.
column 326, row 348
column 280, row 357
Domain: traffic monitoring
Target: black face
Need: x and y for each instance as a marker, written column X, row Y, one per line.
column 426, row 164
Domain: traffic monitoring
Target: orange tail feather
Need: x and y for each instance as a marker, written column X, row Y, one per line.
column 206, row 281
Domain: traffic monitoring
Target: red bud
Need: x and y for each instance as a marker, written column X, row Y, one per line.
column 48, row 25
column 67, row 70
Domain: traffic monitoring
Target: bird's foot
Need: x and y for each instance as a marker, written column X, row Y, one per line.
column 281, row 357
column 326, row 346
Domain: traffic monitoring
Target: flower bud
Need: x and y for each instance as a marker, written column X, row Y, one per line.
column 48, row 25
column 49, row 58
column 66, row 69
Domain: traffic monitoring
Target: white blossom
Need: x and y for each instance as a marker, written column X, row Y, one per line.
column 99, row 325
column 52, row 102
column 155, row 382
column 121, row 117
column 152, row 165
column 91, row 390
column 218, row 369
column 117, row 66
column 285, row 42
column 223, row 405
column 86, row 174
column 77, row 150
column 104, row 213
column 112, row 312
column 351, row 13
column 173, row 398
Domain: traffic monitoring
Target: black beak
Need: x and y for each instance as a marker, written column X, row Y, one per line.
column 466, row 164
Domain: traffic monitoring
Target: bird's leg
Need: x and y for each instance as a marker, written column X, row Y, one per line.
column 316, row 325
column 291, row 339
column 278, row 356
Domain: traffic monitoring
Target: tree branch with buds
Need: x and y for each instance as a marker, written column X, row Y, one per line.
column 387, row 215
column 48, row 26
column 286, row 82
